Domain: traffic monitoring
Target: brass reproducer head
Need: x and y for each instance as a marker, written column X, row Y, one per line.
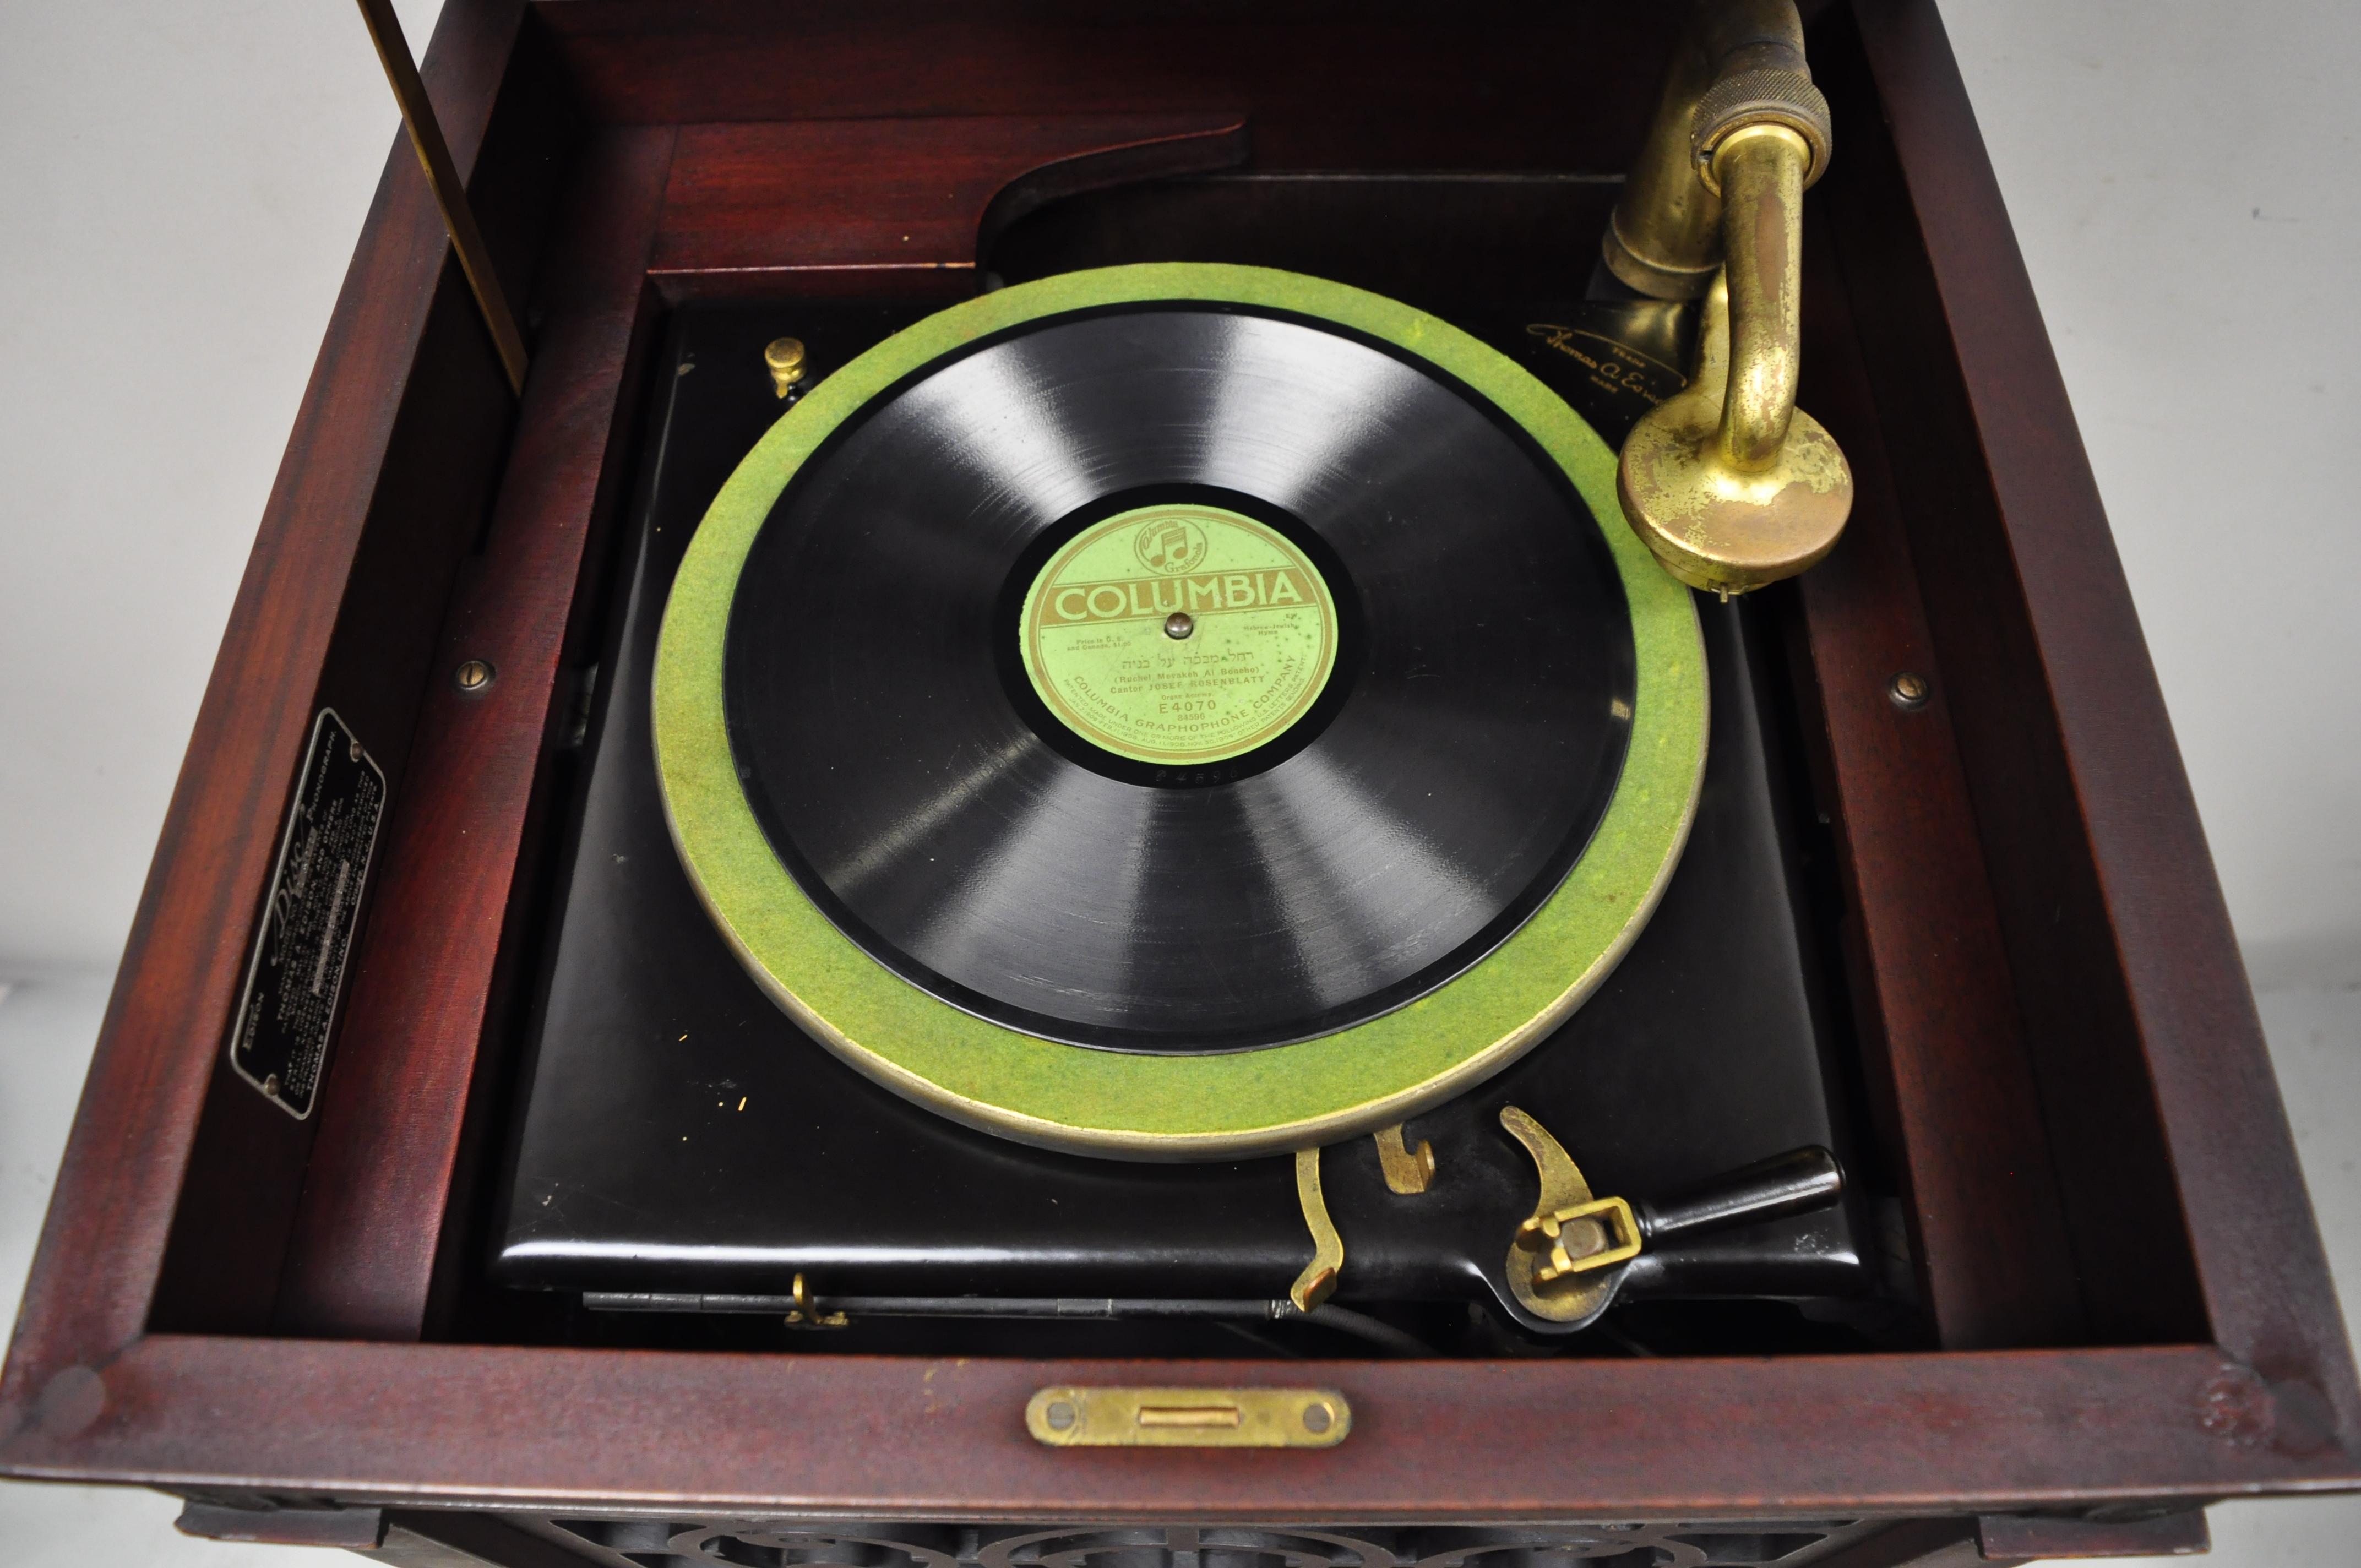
column 1712, row 521
column 1731, row 484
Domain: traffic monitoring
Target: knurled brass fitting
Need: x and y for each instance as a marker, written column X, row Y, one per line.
column 1756, row 98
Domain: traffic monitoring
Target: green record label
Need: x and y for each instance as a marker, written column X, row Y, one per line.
column 1179, row 633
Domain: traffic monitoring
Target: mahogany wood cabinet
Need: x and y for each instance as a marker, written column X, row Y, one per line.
column 2126, row 1309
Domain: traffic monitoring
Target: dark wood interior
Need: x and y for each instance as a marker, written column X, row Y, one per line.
column 2123, row 1295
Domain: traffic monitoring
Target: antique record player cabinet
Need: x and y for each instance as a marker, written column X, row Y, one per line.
column 490, row 1200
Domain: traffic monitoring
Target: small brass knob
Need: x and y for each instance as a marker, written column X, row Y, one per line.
column 783, row 357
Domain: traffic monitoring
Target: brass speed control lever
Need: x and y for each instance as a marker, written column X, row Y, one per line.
column 1731, row 484
column 1569, row 1261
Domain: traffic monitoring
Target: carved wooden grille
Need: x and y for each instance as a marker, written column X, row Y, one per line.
column 771, row 1544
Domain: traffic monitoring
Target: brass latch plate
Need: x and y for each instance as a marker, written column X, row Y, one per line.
column 1189, row 1418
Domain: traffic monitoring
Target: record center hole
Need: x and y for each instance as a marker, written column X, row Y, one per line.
column 1179, row 625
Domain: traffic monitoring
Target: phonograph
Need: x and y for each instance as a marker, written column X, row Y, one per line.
column 1230, row 733
column 1003, row 786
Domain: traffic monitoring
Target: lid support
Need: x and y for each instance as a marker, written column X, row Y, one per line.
column 443, row 180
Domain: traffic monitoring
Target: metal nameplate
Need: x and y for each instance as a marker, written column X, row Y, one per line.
column 297, row 971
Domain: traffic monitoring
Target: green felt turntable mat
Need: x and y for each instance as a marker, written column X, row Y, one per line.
column 1175, row 1107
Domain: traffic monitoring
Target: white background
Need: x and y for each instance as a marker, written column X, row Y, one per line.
column 181, row 187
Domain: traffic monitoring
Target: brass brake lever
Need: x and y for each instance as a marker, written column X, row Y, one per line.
column 1568, row 1263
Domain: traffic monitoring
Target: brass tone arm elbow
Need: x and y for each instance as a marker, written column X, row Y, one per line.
column 1730, row 484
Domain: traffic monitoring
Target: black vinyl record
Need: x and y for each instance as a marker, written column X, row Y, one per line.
column 1450, row 773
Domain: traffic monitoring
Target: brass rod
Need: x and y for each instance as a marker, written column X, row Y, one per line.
column 443, row 180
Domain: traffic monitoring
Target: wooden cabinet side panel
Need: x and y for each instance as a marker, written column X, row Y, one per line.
column 116, row 1189
column 1439, row 1442
column 394, row 1108
column 2153, row 1055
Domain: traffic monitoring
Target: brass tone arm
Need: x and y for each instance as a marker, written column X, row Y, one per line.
column 1665, row 238
column 1730, row 484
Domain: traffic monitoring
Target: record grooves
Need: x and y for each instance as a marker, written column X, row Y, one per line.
column 984, row 851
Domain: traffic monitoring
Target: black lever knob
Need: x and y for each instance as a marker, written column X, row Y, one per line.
column 1796, row 1182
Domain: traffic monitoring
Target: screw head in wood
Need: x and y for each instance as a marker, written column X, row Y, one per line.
column 474, row 675
column 1909, row 691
